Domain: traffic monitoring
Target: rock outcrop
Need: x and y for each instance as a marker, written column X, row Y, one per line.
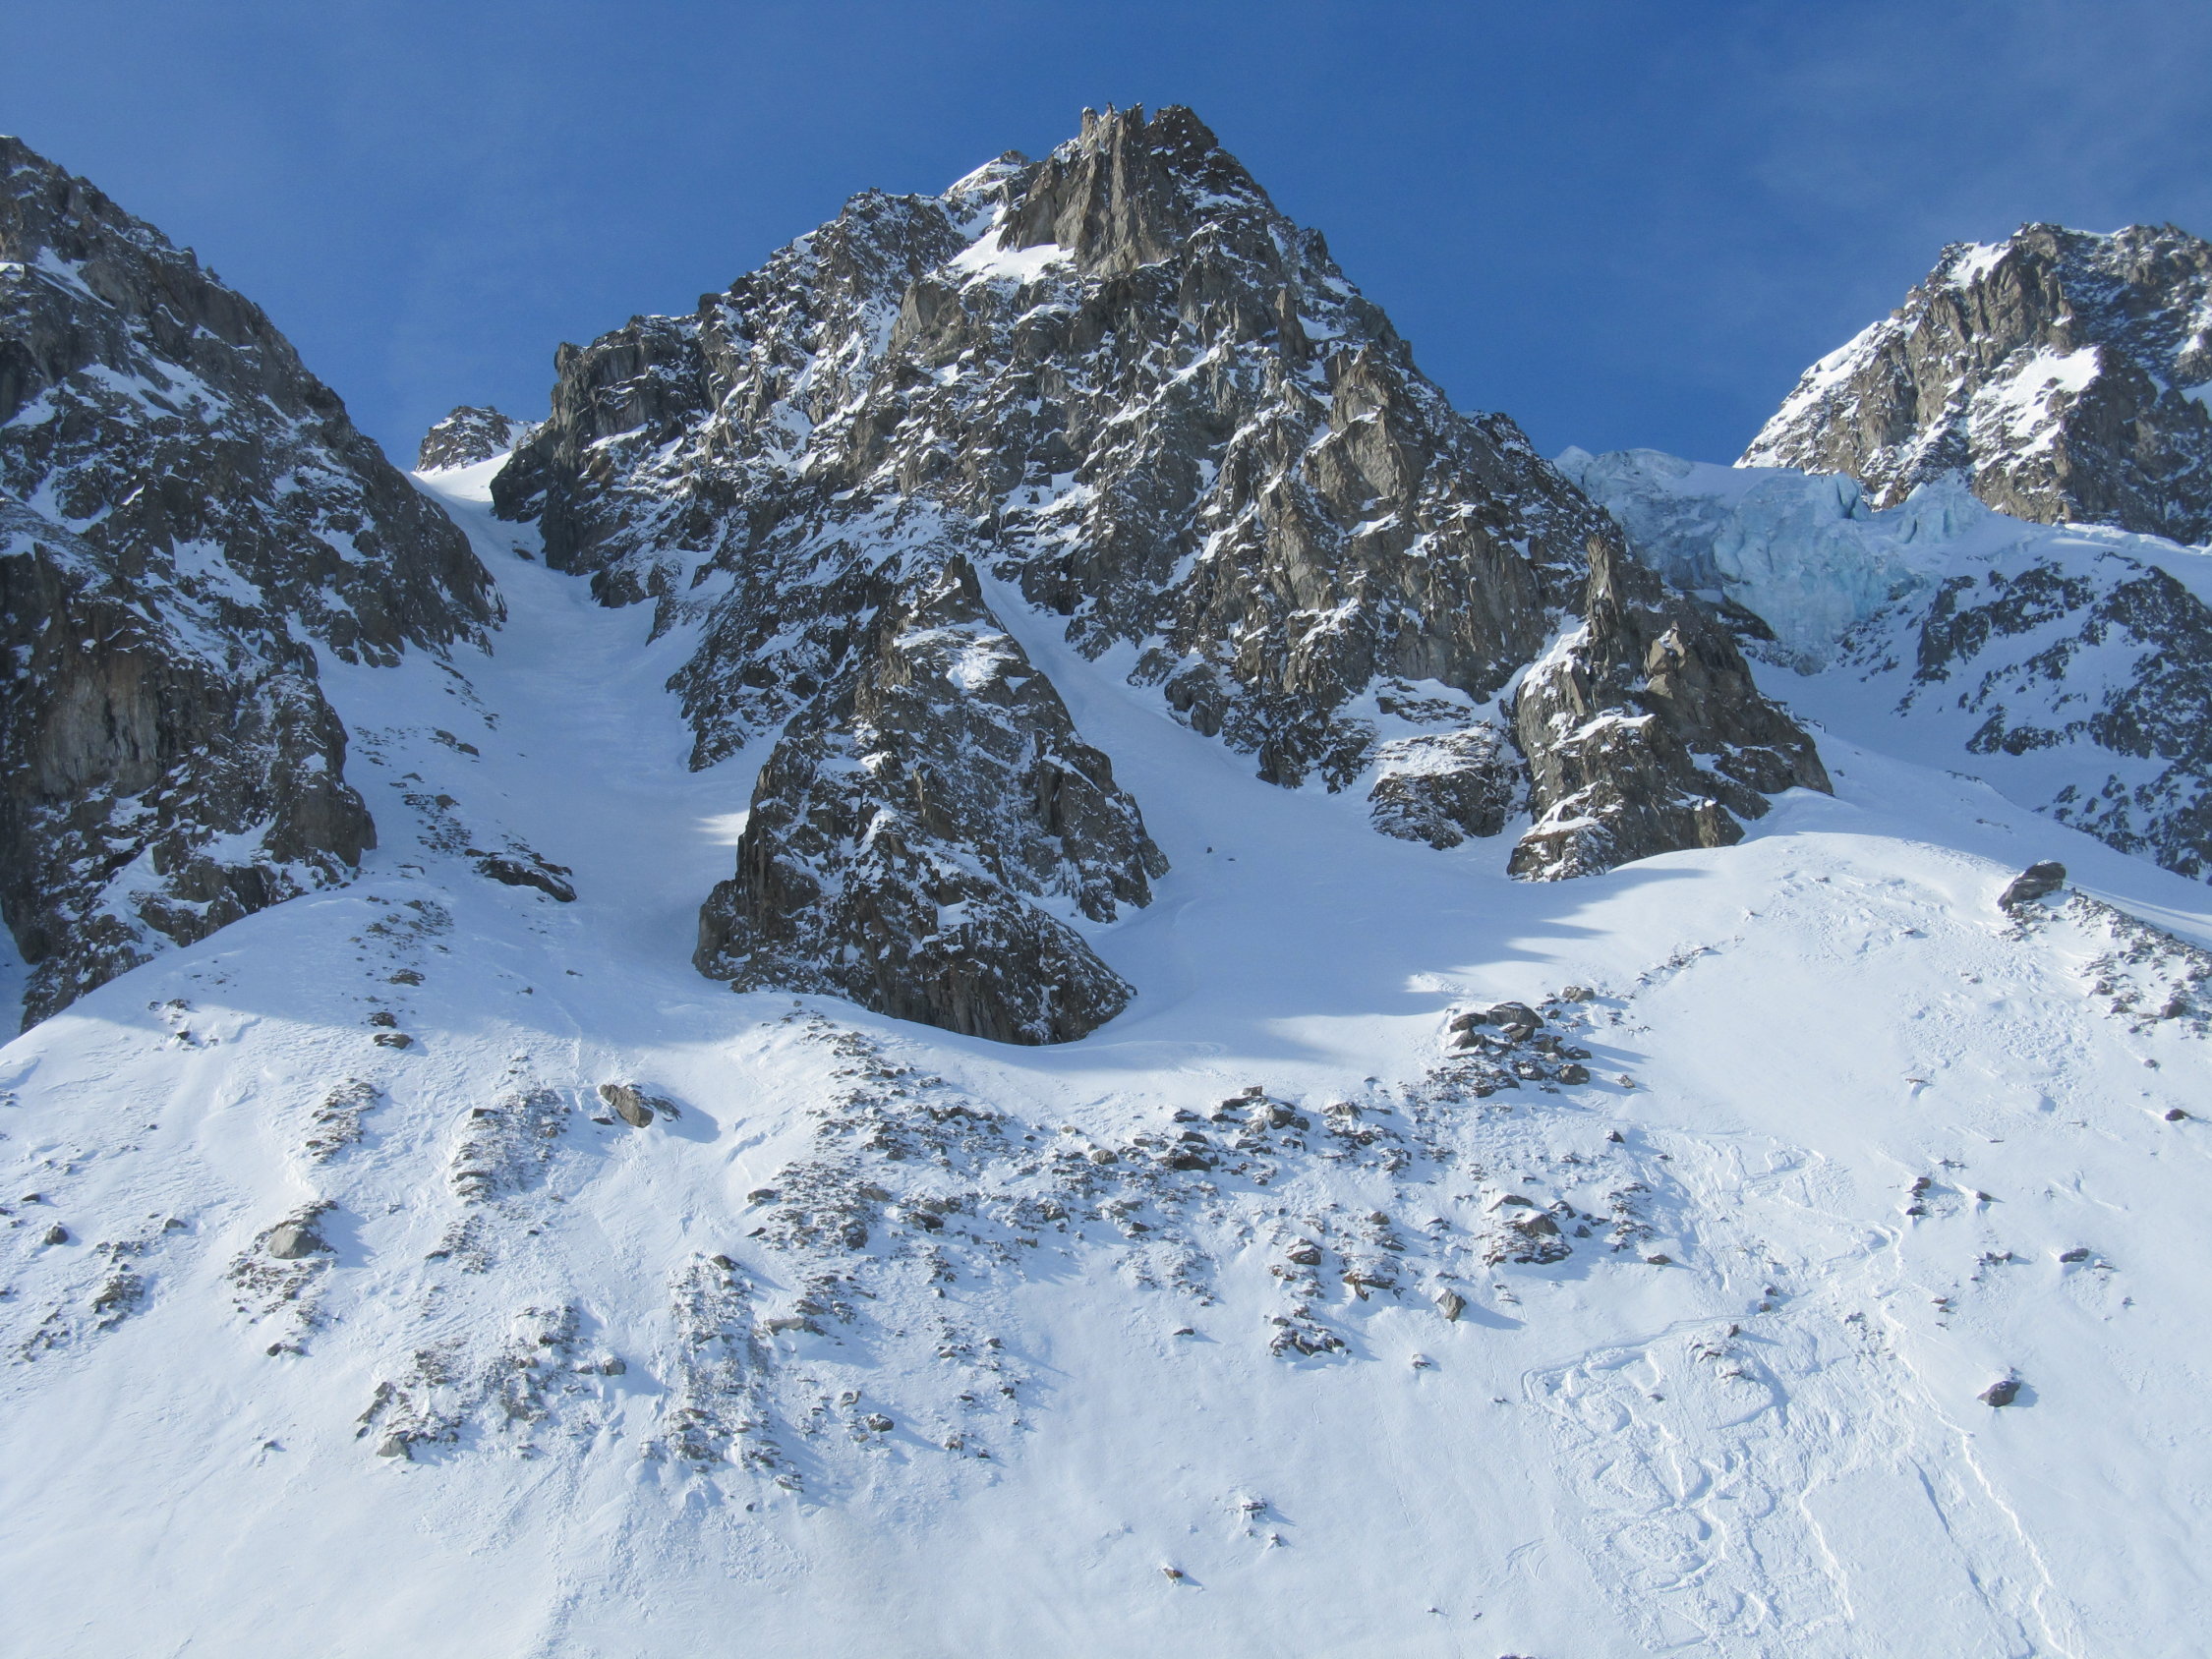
column 915, row 828
column 468, row 435
column 1444, row 787
column 1645, row 731
column 186, row 516
column 2063, row 373
column 1120, row 383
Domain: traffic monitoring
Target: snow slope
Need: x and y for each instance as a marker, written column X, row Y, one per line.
column 641, row 1392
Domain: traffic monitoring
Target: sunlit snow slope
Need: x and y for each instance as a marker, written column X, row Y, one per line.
column 895, row 1343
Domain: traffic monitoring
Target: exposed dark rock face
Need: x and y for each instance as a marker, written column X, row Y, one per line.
column 183, row 508
column 914, row 827
column 2107, row 656
column 2062, row 372
column 1644, row 732
column 1121, row 382
column 1443, row 787
column 468, row 435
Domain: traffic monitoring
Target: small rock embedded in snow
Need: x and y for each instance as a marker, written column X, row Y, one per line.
column 57, row 1234
column 2174, row 1114
column 1450, row 1303
column 2037, row 881
column 2003, row 1392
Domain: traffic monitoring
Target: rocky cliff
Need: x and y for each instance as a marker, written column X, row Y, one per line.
column 931, row 810
column 1128, row 390
column 2062, row 374
column 1644, row 728
column 185, row 516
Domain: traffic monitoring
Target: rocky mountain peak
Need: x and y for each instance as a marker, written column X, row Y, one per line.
column 45, row 209
column 1130, row 190
column 1130, row 395
column 468, row 435
column 187, row 519
column 2062, row 373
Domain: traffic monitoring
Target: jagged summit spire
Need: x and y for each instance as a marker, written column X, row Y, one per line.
column 1126, row 190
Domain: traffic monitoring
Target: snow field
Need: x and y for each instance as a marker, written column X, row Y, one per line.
column 1768, row 1444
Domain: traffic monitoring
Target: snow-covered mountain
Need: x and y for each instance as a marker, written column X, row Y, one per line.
column 1128, row 1205
column 1117, row 386
column 2062, row 374
column 186, row 517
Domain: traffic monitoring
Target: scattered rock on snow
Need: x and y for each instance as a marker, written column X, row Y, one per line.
column 528, row 869
column 2003, row 1392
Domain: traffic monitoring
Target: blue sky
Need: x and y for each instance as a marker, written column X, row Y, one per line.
column 1623, row 221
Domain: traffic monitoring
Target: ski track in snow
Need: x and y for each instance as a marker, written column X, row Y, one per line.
column 1769, row 1444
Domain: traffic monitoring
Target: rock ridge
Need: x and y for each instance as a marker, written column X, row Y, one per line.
column 2062, row 373
column 469, row 434
column 187, row 516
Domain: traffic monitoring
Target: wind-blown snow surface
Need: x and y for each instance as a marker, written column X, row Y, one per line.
column 1890, row 1146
